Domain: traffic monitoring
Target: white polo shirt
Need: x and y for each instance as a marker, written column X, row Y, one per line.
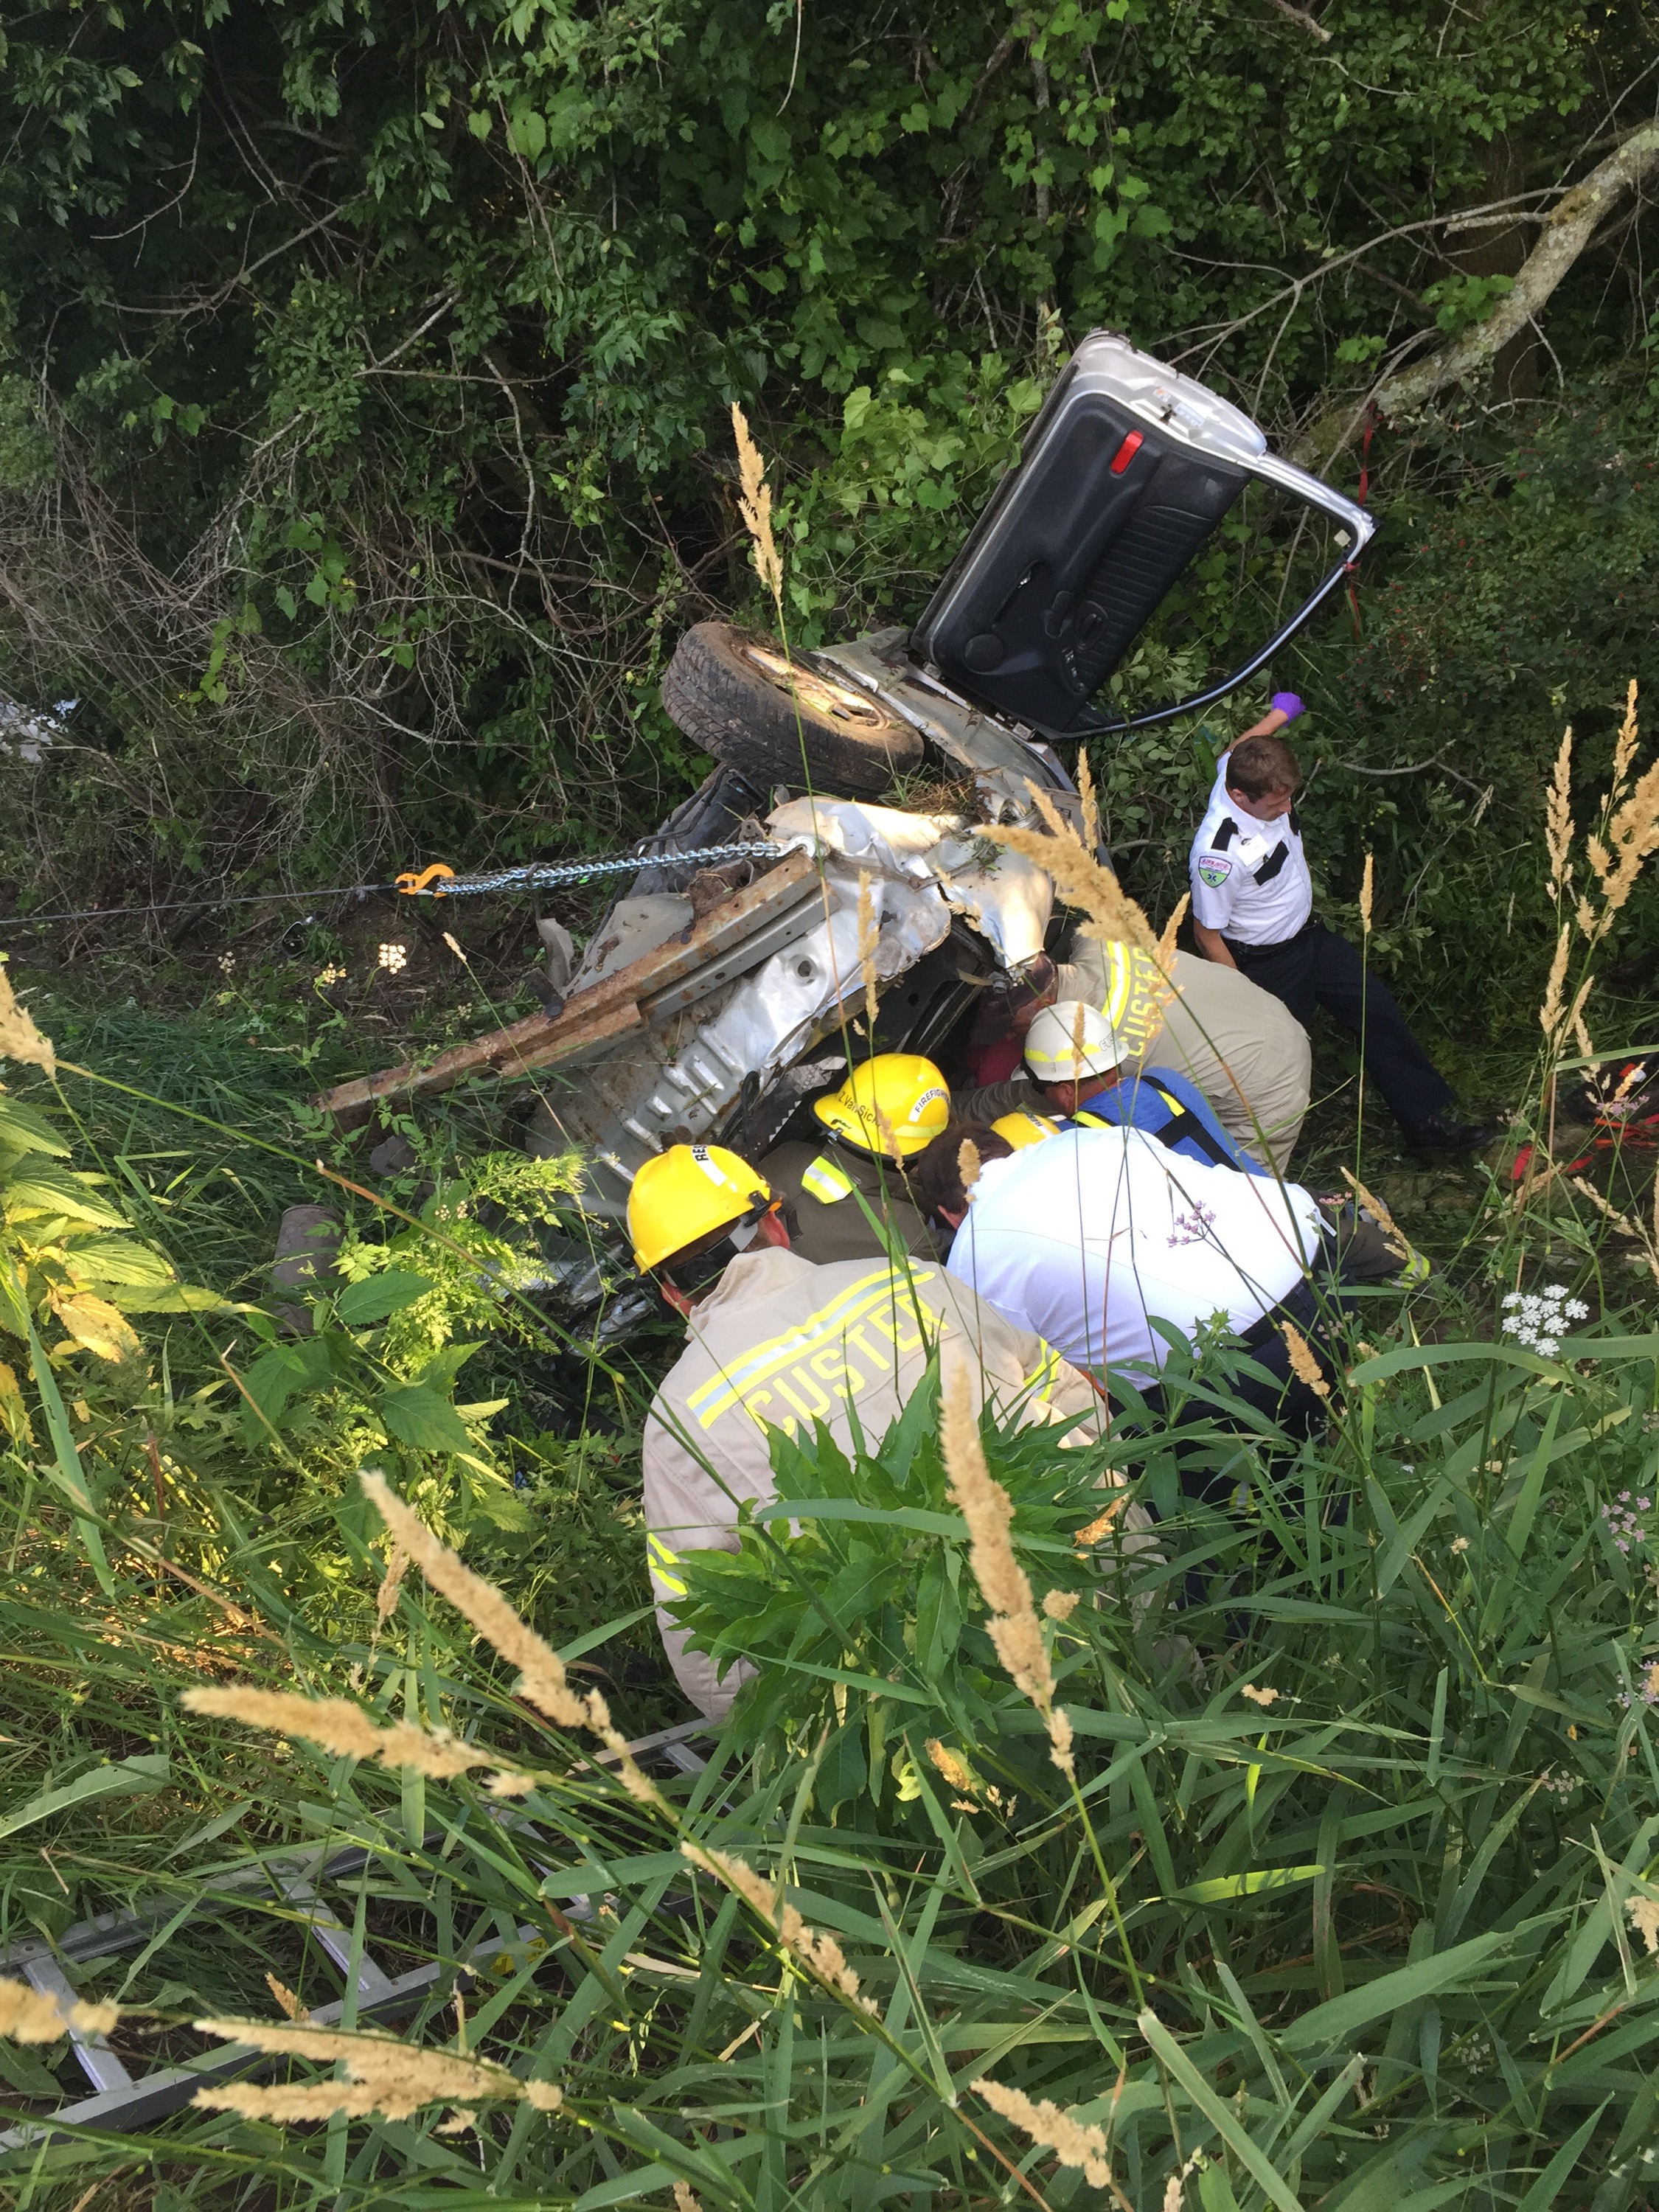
column 1250, row 878
column 1092, row 1236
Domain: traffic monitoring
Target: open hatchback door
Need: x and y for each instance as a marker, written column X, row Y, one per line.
column 1123, row 477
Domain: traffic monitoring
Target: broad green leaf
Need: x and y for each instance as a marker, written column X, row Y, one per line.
column 22, row 1129
column 166, row 1297
column 97, row 1327
column 40, row 1187
column 119, row 1260
column 418, row 1416
column 274, row 1377
column 27, row 2074
column 527, row 132
column 378, row 1295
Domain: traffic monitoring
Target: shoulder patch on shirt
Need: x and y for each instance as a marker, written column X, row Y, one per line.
column 1213, row 869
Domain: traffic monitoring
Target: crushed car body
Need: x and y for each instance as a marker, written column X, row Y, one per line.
column 711, row 1001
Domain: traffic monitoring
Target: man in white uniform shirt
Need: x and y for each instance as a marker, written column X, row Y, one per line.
column 1095, row 1236
column 1253, row 910
column 1109, row 1245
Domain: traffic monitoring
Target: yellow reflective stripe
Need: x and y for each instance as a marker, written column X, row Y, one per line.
column 659, row 1559
column 1092, row 1121
column 738, row 1371
column 1046, row 1374
column 1119, row 975
column 723, row 1391
column 826, row 1182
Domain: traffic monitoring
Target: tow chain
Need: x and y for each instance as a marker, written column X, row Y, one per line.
column 440, row 882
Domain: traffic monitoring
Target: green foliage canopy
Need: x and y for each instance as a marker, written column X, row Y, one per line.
column 361, row 441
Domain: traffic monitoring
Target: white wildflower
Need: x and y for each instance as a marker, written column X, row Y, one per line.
column 1537, row 1319
column 393, row 958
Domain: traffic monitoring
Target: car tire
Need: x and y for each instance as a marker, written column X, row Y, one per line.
column 737, row 694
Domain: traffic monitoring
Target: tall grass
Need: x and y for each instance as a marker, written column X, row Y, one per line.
column 1308, row 1854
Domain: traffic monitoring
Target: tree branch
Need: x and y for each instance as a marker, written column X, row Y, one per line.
column 1301, row 15
column 1568, row 229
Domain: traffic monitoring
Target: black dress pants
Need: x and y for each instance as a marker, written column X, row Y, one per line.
column 1317, row 968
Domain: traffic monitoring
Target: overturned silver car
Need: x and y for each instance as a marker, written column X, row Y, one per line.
column 836, row 849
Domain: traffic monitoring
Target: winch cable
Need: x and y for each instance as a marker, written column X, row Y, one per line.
column 439, row 882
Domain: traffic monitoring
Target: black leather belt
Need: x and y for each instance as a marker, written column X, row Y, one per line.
column 1244, row 954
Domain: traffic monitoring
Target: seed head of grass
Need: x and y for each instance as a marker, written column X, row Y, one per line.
column 20, row 1040
column 952, row 1765
column 541, row 1683
column 1558, row 817
column 755, row 503
column 1072, row 2142
column 1385, row 1221
column 1078, row 878
column 287, row 2003
column 28, row 2015
column 384, row 2074
column 814, row 1949
column 1085, row 792
column 1304, row 1366
column 869, row 930
column 1166, row 943
column 1549, row 1014
column 341, row 1728
column 1014, row 1627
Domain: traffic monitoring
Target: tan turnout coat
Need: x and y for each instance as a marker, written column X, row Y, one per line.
column 778, row 1344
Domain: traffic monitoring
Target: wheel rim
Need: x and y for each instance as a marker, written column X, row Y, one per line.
column 835, row 702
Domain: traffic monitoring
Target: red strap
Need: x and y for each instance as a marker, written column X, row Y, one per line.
column 1365, row 453
column 1364, row 488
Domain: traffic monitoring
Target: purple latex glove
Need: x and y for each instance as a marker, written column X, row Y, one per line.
column 1287, row 704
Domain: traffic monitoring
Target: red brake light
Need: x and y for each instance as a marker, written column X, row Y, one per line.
column 1126, row 451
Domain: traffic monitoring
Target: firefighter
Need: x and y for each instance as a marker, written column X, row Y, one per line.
column 890, row 1109
column 1074, row 1061
column 774, row 1342
column 1243, row 1049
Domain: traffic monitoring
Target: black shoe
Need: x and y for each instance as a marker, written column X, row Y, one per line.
column 1441, row 1133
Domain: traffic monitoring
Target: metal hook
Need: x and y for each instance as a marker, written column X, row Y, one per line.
column 411, row 885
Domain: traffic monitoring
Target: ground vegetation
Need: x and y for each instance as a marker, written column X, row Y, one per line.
column 364, row 445
column 1300, row 1856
